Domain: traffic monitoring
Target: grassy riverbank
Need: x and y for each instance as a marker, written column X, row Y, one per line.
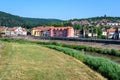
column 28, row 61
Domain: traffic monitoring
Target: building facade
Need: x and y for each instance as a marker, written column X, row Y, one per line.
column 51, row 31
column 111, row 33
column 16, row 31
column 113, row 24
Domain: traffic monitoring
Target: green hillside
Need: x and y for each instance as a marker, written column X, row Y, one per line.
column 10, row 20
column 41, row 21
column 99, row 18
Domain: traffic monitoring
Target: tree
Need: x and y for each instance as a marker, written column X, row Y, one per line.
column 78, row 26
column 67, row 23
column 99, row 31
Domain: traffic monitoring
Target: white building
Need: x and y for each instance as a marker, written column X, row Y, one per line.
column 113, row 24
column 16, row 31
column 111, row 32
column 104, row 32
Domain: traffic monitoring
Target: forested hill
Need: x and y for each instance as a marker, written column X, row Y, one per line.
column 10, row 20
column 41, row 21
column 99, row 18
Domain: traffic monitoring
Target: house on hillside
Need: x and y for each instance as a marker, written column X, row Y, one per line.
column 3, row 30
column 113, row 24
column 51, row 31
column 76, row 33
column 92, row 34
column 117, row 33
column 111, row 33
column 82, row 33
column 16, row 31
column 104, row 32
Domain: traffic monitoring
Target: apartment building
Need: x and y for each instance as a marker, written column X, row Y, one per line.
column 52, row 31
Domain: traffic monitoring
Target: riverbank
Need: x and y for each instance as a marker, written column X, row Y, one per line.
column 91, row 44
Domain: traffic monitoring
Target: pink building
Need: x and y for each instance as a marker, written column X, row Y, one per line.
column 53, row 31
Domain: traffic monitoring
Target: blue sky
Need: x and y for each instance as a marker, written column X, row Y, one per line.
column 61, row 9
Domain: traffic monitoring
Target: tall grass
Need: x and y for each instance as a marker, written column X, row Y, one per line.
column 95, row 50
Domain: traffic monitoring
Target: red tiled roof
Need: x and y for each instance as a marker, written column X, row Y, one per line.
column 42, row 28
column 111, row 30
column 13, row 29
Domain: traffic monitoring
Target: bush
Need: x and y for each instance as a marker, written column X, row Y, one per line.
column 106, row 67
column 115, row 52
column 91, row 49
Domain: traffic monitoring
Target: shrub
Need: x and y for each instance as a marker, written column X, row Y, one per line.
column 106, row 67
column 115, row 52
column 91, row 49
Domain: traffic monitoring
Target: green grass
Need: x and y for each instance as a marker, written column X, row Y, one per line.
column 28, row 61
column 112, row 52
column 104, row 66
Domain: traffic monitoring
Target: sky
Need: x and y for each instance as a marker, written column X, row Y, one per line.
column 61, row 9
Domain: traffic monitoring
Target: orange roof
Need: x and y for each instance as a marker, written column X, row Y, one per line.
column 44, row 28
column 13, row 29
column 62, row 28
column 23, row 29
column 111, row 30
column 2, row 28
